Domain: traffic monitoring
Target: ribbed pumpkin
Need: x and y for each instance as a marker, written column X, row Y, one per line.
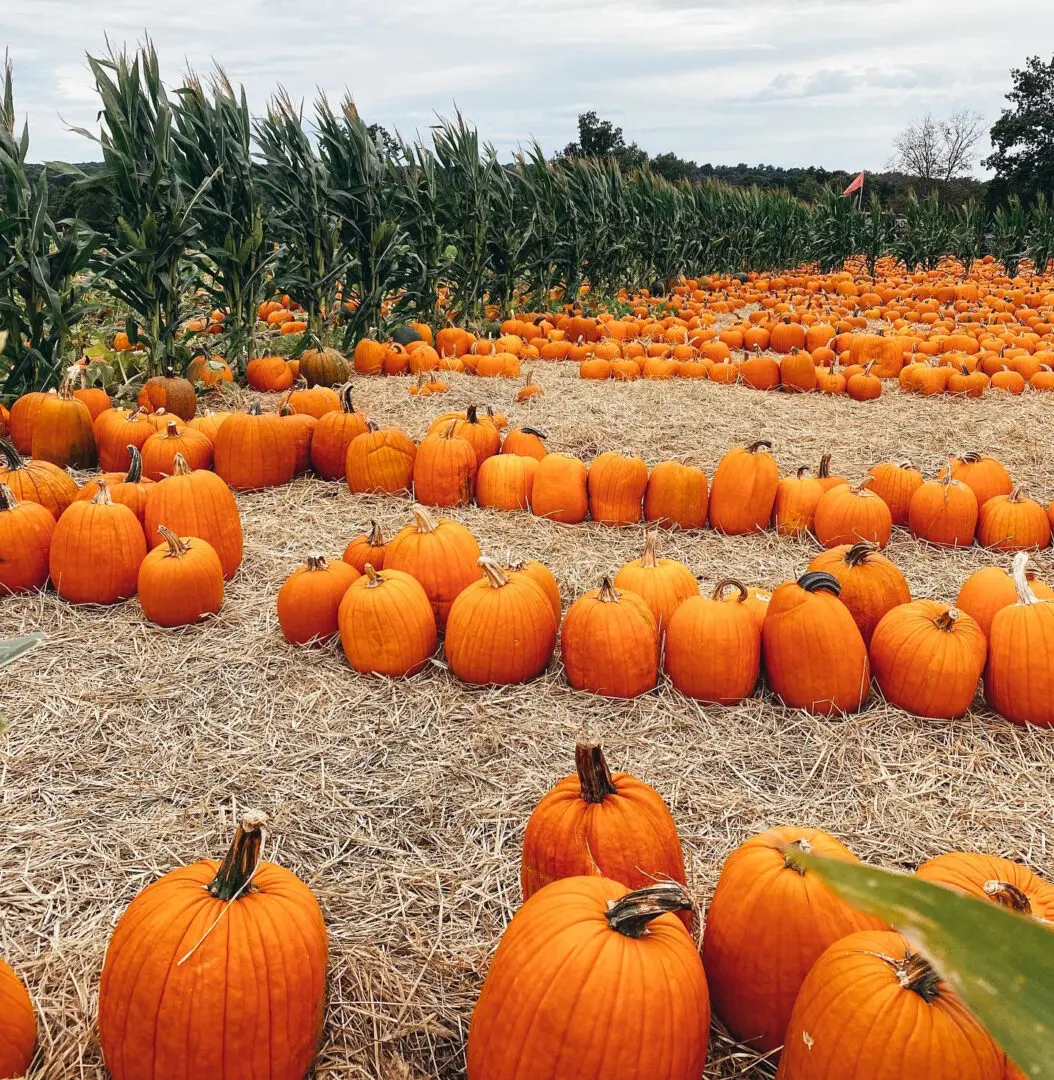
column 991, row 589
column 542, row 576
column 303, row 427
column 943, row 512
column 208, row 424
column 180, row 581
column 676, row 496
column 37, row 481
column 381, row 460
column 927, row 658
column 594, row 822
column 129, row 489
column 171, row 392
column 445, row 469
column 159, row 451
column 96, row 551
column 848, row 515
column 895, row 484
column 769, row 920
column 872, row 1001
column 269, row 374
column 794, row 508
column 196, row 504
column 616, row 488
column 984, row 475
column 117, row 429
column 500, row 629
column 885, row 353
column 663, row 583
column 505, row 482
column 989, row 877
column 560, row 490
column 387, row 625
column 713, row 647
column 255, row 450
column 744, row 490
column 63, row 432
column 18, row 1025
column 525, row 441
column 310, row 597
column 200, row 938
column 815, row 658
column 480, row 432
column 1019, row 678
column 323, row 367
column 26, row 529
column 610, row 643
column 1013, row 523
column 797, row 372
column 590, row 960
column 333, row 437
column 369, row 356
column 22, row 418
column 443, row 555
column 314, row 401
column 367, row 548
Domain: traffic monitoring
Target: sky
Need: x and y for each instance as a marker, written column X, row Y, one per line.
column 815, row 82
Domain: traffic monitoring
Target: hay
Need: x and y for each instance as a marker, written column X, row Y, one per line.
column 129, row 750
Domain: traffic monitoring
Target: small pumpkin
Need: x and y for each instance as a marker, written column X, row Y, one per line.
column 744, row 490
column 542, row 576
column 37, row 481
column 310, row 597
column 943, row 512
column 676, row 496
column 63, row 432
column 560, row 489
column 986, row 476
column 895, row 484
column 159, row 451
column 505, row 482
column 117, row 429
column 18, row 1025
column 180, row 581
column 303, row 427
column 314, row 401
column 445, row 467
column 848, row 515
column 794, row 508
column 616, row 486
column 367, row 548
column 26, row 529
column 170, row 392
column 480, row 432
column 129, row 489
column 323, row 367
column 1013, row 523
column 989, row 877
column 524, row 442
column 23, row 417
column 664, row 584
column 210, row 371
column 380, row 460
column 269, row 374
column 333, row 436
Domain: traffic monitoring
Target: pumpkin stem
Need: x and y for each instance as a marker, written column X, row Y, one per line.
column 173, row 431
column 534, row 431
column 423, row 519
column 608, row 593
column 914, row 973
column 315, row 562
column 135, row 465
column 859, row 553
column 733, row 583
column 1015, row 496
column 761, row 444
column 825, row 466
column 373, row 579
column 11, row 455
column 376, row 536
column 1008, row 896
column 255, row 409
column 103, row 498
column 947, row 620
column 802, row 471
column 594, row 777
column 1019, row 572
column 345, row 398
column 818, row 581
column 241, row 860
column 492, row 571
column 792, row 853
column 180, row 466
column 7, row 498
column 449, row 433
column 470, row 415
column 649, row 558
column 177, row 547
column 971, row 457
column 372, row 425
column 631, row 914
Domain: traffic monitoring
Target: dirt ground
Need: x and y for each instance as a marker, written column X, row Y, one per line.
column 127, row 750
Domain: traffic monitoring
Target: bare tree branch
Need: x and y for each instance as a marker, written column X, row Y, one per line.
column 937, row 151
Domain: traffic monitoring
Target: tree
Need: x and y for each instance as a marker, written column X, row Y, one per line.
column 1023, row 136
column 601, row 139
column 937, row 151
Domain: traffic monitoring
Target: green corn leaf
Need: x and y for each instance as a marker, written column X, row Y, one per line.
column 13, row 648
column 1000, row 963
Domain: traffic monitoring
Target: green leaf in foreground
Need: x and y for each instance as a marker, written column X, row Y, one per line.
column 1001, row 964
column 13, row 648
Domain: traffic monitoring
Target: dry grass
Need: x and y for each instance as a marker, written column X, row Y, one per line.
column 128, row 750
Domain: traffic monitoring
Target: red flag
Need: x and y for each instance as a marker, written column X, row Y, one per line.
column 856, row 185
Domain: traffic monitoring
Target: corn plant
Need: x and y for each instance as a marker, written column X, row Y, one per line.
column 833, row 231
column 968, row 230
column 1008, row 239
column 1040, row 246
column 43, row 284
column 213, row 132
column 874, row 232
column 508, row 236
column 924, row 236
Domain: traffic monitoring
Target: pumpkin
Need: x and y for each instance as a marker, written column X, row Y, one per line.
column 303, row 427
column 927, row 658
column 314, row 401
column 1019, row 677
column 255, row 450
column 794, row 507
column 129, row 489
column 884, row 353
column 616, row 487
column 895, row 484
column 159, row 451
column 196, row 504
column 387, row 625
column 269, row 374
column 445, row 469
column 760, row 372
column 380, row 460
column 1012, row 523
column 984, row 475
column 94, row 398
column 210, row 371
column 479, row 432
column 815, row 658
column 542, row 576
column 592, row 961
column 333, row 436
column 199, row 938
column 769, row 920
column 744, row 490
column 991, row 589
column 787, row 336
column 369, row 356
column 676, row 496
column 443, row 555
column 594, row 822
column 180, row 581
column 989, row 877
column 323, row 367
column 208, row 424
column 26, row 529
column 18, row 1025
column 943, row 512
column 37, row 481
column 525, row 442
column 170, row 392
column 96, row 551
column 23, row 417
column 864, row 385
column 505, row 482
column 663, row 583
column 797, row 372
column 367, row 548
column 872, row 1001
column 117, row 429
column 500, row 629
column 713, row 648
column 610, row 643
column 846, row 515
column 62, row 431
column 528, row 390
column 309, row 600
column 824, row 475
column 560, row 490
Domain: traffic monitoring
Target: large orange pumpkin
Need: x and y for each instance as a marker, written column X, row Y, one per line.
column 744, row 489
column 676, row 496
column 37, row 481
column 616, row 488
column 560, row 490
column 310, row 597
column 255, row 450
column 445, row 467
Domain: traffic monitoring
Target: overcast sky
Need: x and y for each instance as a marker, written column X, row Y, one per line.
column 816, row 82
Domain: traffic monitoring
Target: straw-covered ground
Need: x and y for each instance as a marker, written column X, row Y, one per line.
column 128, row 751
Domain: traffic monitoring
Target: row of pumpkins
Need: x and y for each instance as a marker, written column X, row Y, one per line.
column 603, row 943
